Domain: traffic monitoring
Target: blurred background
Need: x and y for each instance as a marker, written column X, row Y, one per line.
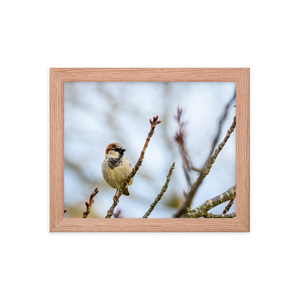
column 99, row 113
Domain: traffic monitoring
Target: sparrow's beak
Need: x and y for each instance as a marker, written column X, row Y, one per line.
column 122, row 150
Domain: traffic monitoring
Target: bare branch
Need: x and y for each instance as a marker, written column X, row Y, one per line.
column 153, row 123
column 204, row 172
column 89, row 205
column 221, row 122
column 180, row 139
column 159, row 196
column 220, row 147
column 210, row 160
column 195, row 169
column 201, row 211
column 110, row 212
column 118, row 213
column 226, row 209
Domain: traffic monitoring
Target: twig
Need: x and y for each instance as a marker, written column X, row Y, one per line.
column 196, row 169
column 204, row 172
column 221, row 122
column 180, row 138
column 220, row 147
column 153, row 123
column 117, row 214
column 159, row 196
column 89, row 205
column 201, row 211
column 226, row 209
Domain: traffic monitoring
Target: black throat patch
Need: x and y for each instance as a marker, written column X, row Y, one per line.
column 115, row 162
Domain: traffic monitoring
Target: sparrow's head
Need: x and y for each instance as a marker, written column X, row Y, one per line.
column 114, row 150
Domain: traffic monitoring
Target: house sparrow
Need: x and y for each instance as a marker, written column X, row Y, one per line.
column 116, row 167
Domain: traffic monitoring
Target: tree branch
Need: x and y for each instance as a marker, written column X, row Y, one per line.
column 201, row 210
column 220, row 147
column 226, row 209
column 118, row 213
column 159, row 196
column 153, row 123
column 180, row 138
column 209, row 215
column 89, row 205
column 110, row 212
column 221, row 122
column 204, row 172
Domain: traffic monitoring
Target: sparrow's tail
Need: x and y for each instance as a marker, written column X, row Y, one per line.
column 126, row 192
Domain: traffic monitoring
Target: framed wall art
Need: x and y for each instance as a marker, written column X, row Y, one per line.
column 150, row 150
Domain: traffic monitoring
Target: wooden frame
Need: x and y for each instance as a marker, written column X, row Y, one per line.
column 57, row 221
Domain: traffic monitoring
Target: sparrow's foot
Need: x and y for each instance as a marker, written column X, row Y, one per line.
column 115, row 196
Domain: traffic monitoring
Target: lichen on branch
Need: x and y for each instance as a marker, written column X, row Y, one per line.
column 201, row 210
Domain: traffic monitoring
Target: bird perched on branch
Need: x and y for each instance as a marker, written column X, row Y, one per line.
column 116, row 167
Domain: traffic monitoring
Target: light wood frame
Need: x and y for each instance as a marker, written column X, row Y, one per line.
column 60, row 224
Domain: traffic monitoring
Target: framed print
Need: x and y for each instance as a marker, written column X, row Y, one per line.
column 150, row 150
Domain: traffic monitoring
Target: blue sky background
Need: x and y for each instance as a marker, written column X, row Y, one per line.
column 97, row 114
